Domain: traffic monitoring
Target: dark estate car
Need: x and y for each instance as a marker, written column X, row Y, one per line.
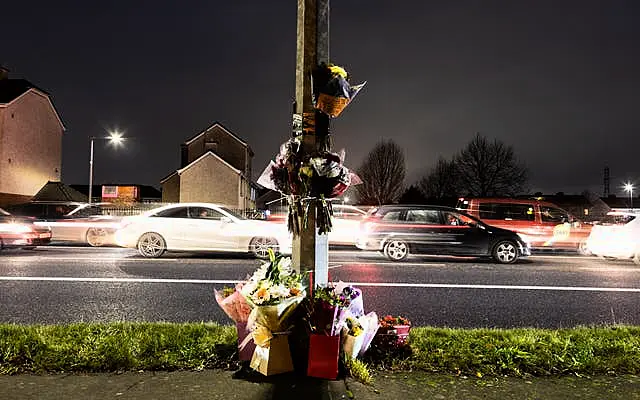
column 21, row 232
column 398, row 230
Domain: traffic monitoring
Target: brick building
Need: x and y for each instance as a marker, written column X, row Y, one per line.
column 30, row 139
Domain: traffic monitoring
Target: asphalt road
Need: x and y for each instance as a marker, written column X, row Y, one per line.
column 67, row 284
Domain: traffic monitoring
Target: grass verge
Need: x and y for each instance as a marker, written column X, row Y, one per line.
column 167, row 346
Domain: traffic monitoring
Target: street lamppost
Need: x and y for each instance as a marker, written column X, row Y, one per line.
column 628, row 187
column 114, row 138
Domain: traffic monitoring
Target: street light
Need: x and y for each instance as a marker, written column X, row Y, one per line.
column 628, row 187
column 114, row 138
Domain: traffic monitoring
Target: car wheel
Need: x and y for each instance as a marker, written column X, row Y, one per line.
column 583, row 249
column 505, row 252
column 396, row 250
column 96, row 237
column 259, row 246
column 151, row 245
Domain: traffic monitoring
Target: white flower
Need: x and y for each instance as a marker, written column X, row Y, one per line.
column 284, row 266
column 279, row 291
column 248, row 288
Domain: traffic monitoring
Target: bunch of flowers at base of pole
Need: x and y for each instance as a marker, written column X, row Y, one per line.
column 274, row 291
column 359, row 329
column 393, row 332
column 328, row 311
column 236, row 307
column 233, row 303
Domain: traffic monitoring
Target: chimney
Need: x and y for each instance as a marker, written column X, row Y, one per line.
column 4, row 72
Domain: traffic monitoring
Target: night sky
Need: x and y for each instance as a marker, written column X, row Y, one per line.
column 557, row 80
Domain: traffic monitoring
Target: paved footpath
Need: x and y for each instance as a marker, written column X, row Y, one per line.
column 216, row 384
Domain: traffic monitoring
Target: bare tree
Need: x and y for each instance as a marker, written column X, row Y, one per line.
column 489, row 169
column 441, row 182
column 382, row 174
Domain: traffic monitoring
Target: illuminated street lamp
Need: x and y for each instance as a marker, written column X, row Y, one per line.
column 114, row 138
column 628, row 187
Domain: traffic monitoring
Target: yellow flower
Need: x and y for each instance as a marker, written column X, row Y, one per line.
column 294, row 291
column 338, row 71
column 262, row 295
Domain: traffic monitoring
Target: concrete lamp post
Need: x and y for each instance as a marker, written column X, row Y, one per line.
column 114, row 138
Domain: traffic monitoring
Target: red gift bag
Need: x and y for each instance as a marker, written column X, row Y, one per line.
column 245, row 353
column 323, row 356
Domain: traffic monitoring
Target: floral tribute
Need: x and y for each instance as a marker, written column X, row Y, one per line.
column 316, row 178
column 332, row 90
column 393, row 333
column 310, row 178
column 273, row 291
column 337, row 324
column 238, row 309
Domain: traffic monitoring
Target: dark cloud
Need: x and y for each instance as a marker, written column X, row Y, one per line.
column 557, row 80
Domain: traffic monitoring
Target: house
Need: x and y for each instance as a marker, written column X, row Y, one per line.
column 215, row 167
column 121, row 193
column 30, row 139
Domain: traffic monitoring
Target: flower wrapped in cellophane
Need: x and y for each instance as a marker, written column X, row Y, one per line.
column 274, row 291
column 307, row 181
column 332, row 90
column 236, row 307
column 233, row 303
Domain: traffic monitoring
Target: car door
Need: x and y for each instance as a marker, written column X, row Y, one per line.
column 463, row 235
column 173, row 225
column 209, row 229
column 423, row 229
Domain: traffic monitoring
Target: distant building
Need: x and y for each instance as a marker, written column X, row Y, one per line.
column 215, row 167
column 30, row 139
column 121, row 193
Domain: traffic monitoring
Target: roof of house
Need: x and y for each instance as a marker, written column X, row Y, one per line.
column 11, row 89
column 209, row 154
column 58, row 191
column 219, row 125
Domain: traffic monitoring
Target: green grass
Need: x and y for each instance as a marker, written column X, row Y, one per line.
column 517, row 352
column 115, row 346
column 193, row 346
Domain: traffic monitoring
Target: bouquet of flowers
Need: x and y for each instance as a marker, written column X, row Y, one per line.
column 309, row 180
column 274, row 291
column 236, row 307
column 394, row 331
column 332, row 90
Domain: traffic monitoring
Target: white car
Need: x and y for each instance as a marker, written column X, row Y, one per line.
column 345, row 223
column 200, row 227
column 616, row 236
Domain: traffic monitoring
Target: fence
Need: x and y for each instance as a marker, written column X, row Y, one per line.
column 126, row 210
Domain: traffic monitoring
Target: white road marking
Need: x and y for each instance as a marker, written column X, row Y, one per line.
column 363, row 284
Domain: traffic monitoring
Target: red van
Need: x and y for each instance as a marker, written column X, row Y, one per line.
column 542, row 224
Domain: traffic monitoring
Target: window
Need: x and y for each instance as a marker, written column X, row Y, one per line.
column 430, row 217
column 551, row 214
column 180, row 212
column 205, row 213
column 505, row 211
column 392, row 216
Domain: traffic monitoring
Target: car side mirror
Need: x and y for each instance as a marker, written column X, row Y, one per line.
column 225, row 220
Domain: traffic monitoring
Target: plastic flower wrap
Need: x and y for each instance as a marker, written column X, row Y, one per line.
column 329, row 311
column 233, row 303
column 356, row 305
column 309, row 181
column 332, row 90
